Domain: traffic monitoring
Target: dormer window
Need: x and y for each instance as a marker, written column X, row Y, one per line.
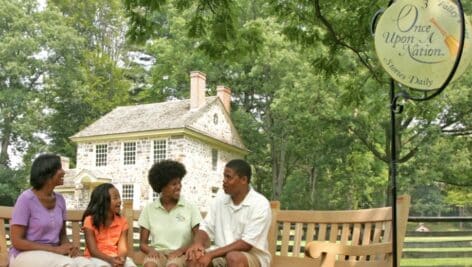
column 215, row 119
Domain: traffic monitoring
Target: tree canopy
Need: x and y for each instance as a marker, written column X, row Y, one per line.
column 310, row 99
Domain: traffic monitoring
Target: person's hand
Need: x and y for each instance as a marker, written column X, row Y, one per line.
column 74, row 251
column 194, row 252
column 64, row 249
column 203, row 261
column 153, row 254
column 174, row 254
column 117, row 261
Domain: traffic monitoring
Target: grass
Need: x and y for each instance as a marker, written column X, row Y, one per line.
column 438, row 239
column 438, row 249
column 466, row 262
column 441, row 226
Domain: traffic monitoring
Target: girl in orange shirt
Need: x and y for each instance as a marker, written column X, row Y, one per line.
column 105, row 229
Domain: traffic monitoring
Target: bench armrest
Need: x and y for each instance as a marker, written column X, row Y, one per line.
column 363, row 255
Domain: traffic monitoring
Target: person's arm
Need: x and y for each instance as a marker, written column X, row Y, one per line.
column 64, row 240
column 238, row 245
column 201, row 240
column 95, row 252
column 123, row 245
column 144, row 243
column 181, row 251
column 123, row 241
column 206, row 258
column 19, row 241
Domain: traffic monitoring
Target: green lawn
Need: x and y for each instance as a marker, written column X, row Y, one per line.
column 466, row 262
column 438, row 249
column 438, row 239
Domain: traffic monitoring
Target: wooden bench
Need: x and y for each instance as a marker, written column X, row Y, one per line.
column 335, row 238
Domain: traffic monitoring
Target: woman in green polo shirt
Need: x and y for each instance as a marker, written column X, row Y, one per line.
column 170, row 221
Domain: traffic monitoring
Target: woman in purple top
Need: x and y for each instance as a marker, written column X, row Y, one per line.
column 38, row 222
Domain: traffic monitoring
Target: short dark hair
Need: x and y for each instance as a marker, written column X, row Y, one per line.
column 241, row 167
column 161, row 173
column 43, row 168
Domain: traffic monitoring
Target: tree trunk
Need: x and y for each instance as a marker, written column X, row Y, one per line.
column 313, row 176
column 278, row 169
column 5, row 143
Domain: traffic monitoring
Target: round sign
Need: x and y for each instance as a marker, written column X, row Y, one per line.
column 417, row 42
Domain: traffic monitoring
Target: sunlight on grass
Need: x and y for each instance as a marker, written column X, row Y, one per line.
column 466, row 262
column 439, row 249
column 438, row 239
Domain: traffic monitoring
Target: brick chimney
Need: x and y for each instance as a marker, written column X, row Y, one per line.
column 224, row 93
column 197, row 89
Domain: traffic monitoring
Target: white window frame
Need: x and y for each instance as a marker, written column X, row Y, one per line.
column 126, row 190
column 101, row 155
column 129, row 153
column 157, row 154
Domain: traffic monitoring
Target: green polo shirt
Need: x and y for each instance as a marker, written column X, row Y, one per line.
column 170, row 230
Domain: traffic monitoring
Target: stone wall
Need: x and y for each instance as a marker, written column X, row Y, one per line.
column 199, row 185
column 217, row 124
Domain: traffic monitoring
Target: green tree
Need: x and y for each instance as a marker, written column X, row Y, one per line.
column 33, row 45
column 331, row 46
column 95, row 80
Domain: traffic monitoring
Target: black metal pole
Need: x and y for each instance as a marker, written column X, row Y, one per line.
column 393, row 171
column 395, row 108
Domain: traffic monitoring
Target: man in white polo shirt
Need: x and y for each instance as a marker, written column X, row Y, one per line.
column 237, row 222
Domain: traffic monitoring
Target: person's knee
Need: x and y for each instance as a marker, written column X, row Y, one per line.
column 236, row 258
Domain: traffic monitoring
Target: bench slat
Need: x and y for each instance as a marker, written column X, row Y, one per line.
column 297, row 239
column 350, row 216
column 290, row 232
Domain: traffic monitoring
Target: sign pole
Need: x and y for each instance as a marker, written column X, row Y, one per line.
column 409, row 37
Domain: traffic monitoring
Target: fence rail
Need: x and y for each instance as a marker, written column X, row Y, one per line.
column 440, row 219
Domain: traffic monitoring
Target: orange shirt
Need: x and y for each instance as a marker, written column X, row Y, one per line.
column 107, row 238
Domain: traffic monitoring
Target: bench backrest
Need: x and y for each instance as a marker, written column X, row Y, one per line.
column 73, row 223
column 291, row 229
column 5, row 215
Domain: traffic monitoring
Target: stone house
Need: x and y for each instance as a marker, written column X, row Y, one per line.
column 121, row 147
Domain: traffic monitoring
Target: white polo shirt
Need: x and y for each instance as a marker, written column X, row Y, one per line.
column 250, row 221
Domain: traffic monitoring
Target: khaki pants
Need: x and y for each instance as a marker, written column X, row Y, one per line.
column 101, row 263
column 40, row 258
column 252, row 261
column 163, row 261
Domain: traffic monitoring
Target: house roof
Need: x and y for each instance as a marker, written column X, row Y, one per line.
column 174, row 114
column 138, row 118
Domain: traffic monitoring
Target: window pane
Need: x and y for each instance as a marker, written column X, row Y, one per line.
column 128, row 192
column 129, row 153
column 101, row 155
column 160, row 150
